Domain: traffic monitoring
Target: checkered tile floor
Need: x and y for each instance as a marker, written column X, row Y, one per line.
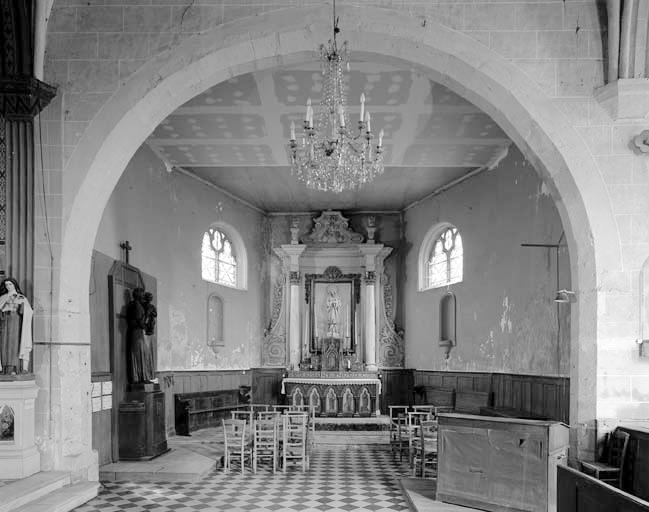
column 340, row 479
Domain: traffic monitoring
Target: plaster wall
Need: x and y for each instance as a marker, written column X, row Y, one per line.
column 164, row 216
column 506, row 316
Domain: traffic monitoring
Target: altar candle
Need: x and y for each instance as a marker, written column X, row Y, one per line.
column 349, row 364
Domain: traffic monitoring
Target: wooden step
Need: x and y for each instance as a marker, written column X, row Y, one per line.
column 64, row 499
column 19, row 492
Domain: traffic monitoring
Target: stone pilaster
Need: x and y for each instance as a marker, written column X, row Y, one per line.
column 290, row 254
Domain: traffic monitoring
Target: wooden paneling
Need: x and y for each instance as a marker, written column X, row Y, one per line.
column 577, row 492
column 99, row 328
column 397, row 388
column 460, row 381
column 536, row 395
column 267, row 385
column 532, row 395
column 636, row 466
column 172, row 382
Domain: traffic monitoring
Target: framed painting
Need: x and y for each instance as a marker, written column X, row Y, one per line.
column 332, row 298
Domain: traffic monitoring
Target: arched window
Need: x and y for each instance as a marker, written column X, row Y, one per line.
column 223, row 257
column 441, row 258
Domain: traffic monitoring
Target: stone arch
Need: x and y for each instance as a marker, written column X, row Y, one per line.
column 526, row 114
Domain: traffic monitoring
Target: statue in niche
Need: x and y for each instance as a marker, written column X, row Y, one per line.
column 15, row 328
column 139, row 345
column 333, row 312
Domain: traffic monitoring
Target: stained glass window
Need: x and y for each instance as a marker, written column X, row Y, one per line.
column 219, row 263
column 444, row 265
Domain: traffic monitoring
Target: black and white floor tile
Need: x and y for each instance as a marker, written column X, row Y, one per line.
column 362, row 478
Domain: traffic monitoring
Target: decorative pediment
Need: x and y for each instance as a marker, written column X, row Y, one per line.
column 332, row 228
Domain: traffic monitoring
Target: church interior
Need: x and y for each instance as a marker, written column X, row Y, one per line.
column 337, row 255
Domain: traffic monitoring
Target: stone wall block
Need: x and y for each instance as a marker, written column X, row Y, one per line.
column 616, row 169
column 543, row 73
column 489, row 17
column 128, row 67
column 613, row 388
column 539, row 16
column 146, row 18
column 640, row 388
column 482, row 36
column 622, row 138
column 586, row 15
column 93, row 76
column 160, row 42
column 616, row 282
column 450, row 14
column 517, row 45
column 73, row 131
column 579, row 78
column 624, row 228
column 640, row 229
column 56, row 72
column 62, row 19
column 634, row 256
column 598, row 138
column 197, row 18
column 73, row 46
column 561, row 44
column 123, row 46
column 641, row 169
column 100, row 19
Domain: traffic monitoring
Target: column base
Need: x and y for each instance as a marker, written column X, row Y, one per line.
column 371, row 367
column 18, row 463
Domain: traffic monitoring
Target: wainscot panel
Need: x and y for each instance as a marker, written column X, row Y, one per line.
column 172, row 382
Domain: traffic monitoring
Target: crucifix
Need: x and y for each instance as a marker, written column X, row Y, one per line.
column 126, row 247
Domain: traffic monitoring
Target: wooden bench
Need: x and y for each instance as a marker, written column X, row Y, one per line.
column 203, row 409
column 471, row 402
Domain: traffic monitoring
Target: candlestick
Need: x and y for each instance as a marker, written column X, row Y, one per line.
column 362, row 106
column 292, row 130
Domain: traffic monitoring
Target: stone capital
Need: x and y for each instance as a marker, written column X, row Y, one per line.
column 23, row 97
column 290, row 255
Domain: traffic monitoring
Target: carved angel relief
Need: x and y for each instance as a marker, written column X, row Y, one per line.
column 332, row 228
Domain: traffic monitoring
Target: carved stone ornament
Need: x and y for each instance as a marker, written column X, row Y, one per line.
column 370, row 277
column 391, row 342
column 274, row 342
column 332, row 228
column 294, row 277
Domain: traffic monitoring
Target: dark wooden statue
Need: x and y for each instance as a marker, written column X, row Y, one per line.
column 138, row 337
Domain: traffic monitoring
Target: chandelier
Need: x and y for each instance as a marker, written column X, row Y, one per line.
column 330, row 155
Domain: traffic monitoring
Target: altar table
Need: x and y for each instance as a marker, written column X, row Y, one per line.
column 335, row 393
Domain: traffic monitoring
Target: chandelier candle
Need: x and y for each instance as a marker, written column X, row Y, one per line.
column 331, row 157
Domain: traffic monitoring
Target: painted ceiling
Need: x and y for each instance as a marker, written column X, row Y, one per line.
column 235, row 134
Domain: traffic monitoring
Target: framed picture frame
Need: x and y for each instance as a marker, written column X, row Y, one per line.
column 333, row 298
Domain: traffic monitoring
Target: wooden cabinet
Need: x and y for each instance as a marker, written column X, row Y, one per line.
column 500, row 464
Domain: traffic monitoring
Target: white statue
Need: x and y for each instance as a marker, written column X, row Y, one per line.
column 15, row 329
column 333, row 311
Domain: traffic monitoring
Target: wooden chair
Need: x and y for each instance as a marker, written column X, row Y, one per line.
column 294, row 440
column 412, row 426
column 237, row 443
column 245, row 415
column 266, row 442
column 425, row 449
column 611, row 470
column 398, row 431
column 269, row 415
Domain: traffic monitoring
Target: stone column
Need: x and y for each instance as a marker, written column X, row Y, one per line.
column 294, row 339
column 370, row 321
column 21, row 99
column 290, row 254
column 373, row 255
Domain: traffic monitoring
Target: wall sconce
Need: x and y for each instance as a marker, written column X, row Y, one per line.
column 564, row 296
column 643, row 348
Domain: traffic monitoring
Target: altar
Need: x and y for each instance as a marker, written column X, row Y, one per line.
column 332, row 324
column 344, row 394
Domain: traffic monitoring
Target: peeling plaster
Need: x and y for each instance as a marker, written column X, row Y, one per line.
column 505, row 319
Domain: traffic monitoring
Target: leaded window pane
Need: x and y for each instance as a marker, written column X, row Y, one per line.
column 445, row 263
column 218, row 262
